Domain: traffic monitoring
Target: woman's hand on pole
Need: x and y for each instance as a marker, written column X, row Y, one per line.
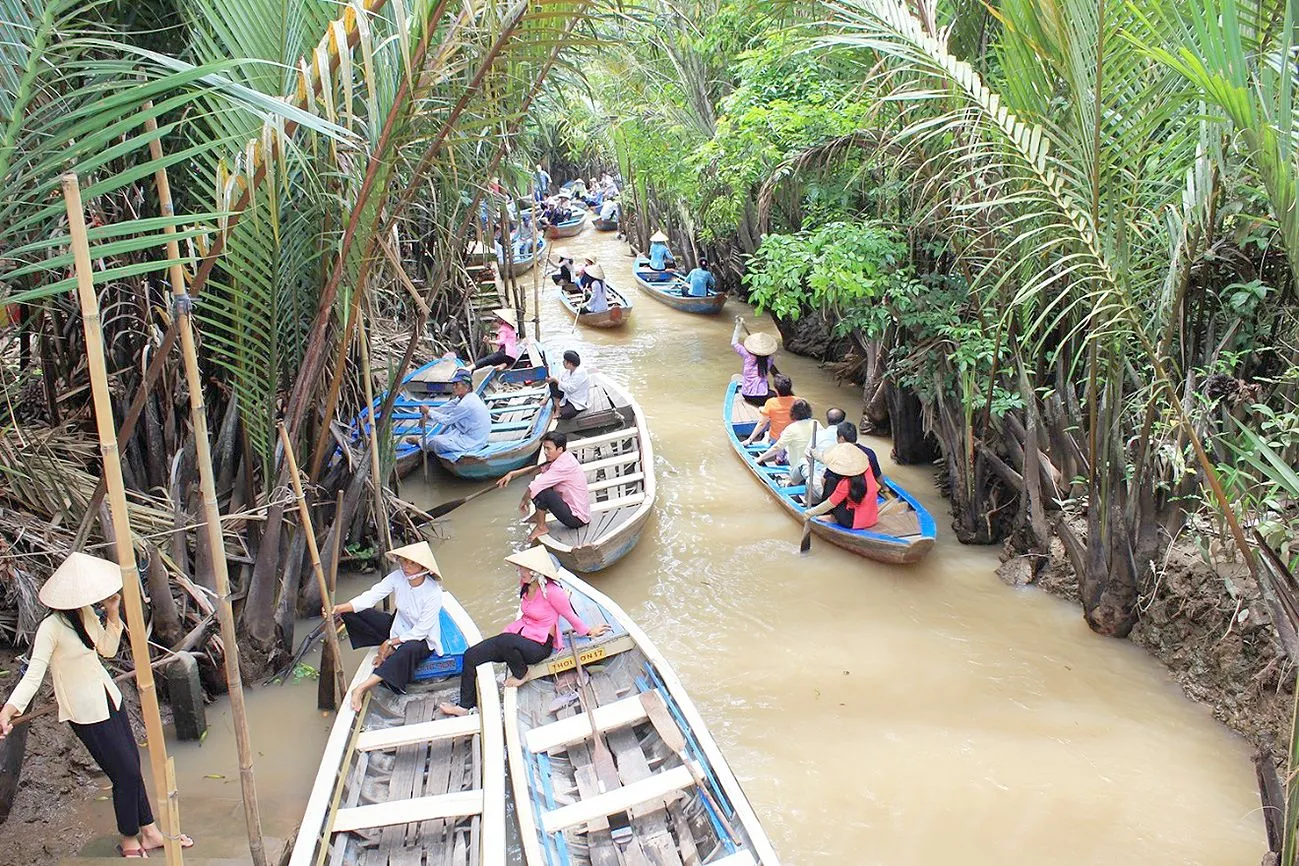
column 7, row 716
column 113, row 607
column 340, row 609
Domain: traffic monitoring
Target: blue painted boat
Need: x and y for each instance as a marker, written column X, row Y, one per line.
column 674, row 292
column 655, row 781
column 615, row 317
column 905, row 531
column 641, row 268
column 400, row 779
column 521, row 411
column 619, row 466
column 521, row 264
column 568, row 228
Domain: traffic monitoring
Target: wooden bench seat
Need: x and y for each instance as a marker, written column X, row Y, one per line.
column 577, row 729
column 617, row 800
column 440, row 729
column 456, row 805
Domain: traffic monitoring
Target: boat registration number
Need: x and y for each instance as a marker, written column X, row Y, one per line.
column 588, row 655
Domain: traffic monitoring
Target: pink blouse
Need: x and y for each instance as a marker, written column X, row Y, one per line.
column 541, row 613
column 507, row 340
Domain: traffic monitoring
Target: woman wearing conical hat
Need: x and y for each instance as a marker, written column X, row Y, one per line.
column 506, row 340
column 530, row 638
column 68, row 644
column 851, row 492
column 405, row 638
column 755, row 352
column 660, row 257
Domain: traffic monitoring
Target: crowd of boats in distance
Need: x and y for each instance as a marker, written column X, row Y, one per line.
column 610, row 761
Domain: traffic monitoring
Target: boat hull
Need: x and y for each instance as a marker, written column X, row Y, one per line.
column 520, row 265
column 520, row 419
column 569, row 229
column 876, row 545
column 605, row 225
column 669, row 292
column 618, row 314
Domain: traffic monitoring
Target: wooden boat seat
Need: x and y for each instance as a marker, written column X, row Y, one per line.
column 610, row 462
column 510, row 395
column 439, row 729
column 577, row 729
column 591, row 441
column 617, row 800
column 514, row 425
column 459, row 804
column 601, row 506
column 630, row 478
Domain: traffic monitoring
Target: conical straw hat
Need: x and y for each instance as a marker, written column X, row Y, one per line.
column 419, row 553
column 658, row 237
column 535, row 559
column 595, row 271
column 81, row 580
column 507, row 315
column 847, row 460
column 760, row 344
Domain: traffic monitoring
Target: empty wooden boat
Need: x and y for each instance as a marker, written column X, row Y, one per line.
column 905, row 531
column 522, row 262
column 602, row 225
column 619, row 464
column 568, row 228
column 671, row 288
column 401, row 784
column 521, row 412
column 616, row 316
column 621, row 768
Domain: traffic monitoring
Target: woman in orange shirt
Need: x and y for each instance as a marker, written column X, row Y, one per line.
column 775, row 412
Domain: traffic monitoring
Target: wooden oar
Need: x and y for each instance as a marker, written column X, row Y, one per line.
column 423, row 438
column 805, row 543
column 605, row 768
column 447, row 507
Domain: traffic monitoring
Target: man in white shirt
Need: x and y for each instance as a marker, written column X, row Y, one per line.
column 826, row 438
column 609, row 210
column 794, row 442
column 571, row 390
column 405, row 638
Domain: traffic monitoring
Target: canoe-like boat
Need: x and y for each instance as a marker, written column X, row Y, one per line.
column 905, row 531
column 648, row 786
column 400, row 784
column 615, row 317
column 674, row 292
column 521, row 411
column 522, row 264
column 605, row 225
column 568, row 228
column 641, row 268
column 619, row 466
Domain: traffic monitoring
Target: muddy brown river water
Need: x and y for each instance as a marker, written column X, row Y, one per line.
column 874, row 714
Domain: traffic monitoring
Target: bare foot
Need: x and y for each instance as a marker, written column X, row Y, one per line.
column 153, row 841
column 357, row 697
column 452, row 709
column 536, row 533
column 513, row 682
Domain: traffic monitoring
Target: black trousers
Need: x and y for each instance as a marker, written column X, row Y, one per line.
column 550, row 501
column 759, row 400
column 492, row 360
column 515, row 650
column 566, row 410
column 371, row 628
column 113, row 747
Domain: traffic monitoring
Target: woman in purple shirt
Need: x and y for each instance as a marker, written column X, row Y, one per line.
column 756, row 352
column 531, row 637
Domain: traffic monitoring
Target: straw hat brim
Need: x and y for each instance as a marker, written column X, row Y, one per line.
column 507, row 315
column 847, row 460
column 658, row 237
column 760, row 344
column 595, row 271
column 537, row 560
column 419, row 553
column 81, row 580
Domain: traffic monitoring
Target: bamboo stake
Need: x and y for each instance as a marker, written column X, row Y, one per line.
column 211, row 517
column 328, row 694
column 536, row 276
column 327, row 597
column 121, row 519
column 376, row 480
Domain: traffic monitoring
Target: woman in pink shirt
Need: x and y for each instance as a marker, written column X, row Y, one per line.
column 531, row 637
column 559, row 488
column 506, row 341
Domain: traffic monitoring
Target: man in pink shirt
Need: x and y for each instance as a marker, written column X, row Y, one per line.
column 559, row 488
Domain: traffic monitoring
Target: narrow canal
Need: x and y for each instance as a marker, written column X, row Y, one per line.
column 874, row 714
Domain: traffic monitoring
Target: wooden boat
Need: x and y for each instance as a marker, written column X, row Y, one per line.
column 905, row 531
column 615, row 317
column 521, row 411
column 397, row 784
column 672, row 292
column 619, row 467
column 670, row 798
column 568, row 228
column 641, row 268
column 522, row 264
column 605, row 225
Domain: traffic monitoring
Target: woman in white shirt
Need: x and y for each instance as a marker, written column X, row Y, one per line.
column 405, row 638
column 69, row 643
column 571, row 390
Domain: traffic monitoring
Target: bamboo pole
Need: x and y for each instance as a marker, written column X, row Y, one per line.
column 328, row 693
column 376, row 480
column 327, row 597
column 536, row 275
column 116, row 488
column 211, row 516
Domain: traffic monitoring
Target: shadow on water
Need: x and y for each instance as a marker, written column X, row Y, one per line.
column 876, row 715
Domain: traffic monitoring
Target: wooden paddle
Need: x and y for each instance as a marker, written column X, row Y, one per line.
column 447, row 507
column 805, row 543
column 606, row 771
column 423, row 437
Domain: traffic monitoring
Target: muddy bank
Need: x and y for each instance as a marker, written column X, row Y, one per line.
column 1209, row 625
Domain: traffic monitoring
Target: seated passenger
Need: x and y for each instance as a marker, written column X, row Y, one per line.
column 660, row 257
column 791, row 446
column 466, row 422
column 571, row 390
column 701, row 281
column 775, row 412
column 506, row 341
column 597, row 300
column 854, row 499
column 560, row 487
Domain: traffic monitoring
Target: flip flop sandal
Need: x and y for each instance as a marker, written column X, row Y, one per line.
column 133, row 854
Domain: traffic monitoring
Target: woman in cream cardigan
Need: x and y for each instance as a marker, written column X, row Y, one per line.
column 69, row 643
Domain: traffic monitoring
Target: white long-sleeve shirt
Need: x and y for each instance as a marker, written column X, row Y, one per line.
column 81, row 685
column 575, row 386
column 418, row 607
